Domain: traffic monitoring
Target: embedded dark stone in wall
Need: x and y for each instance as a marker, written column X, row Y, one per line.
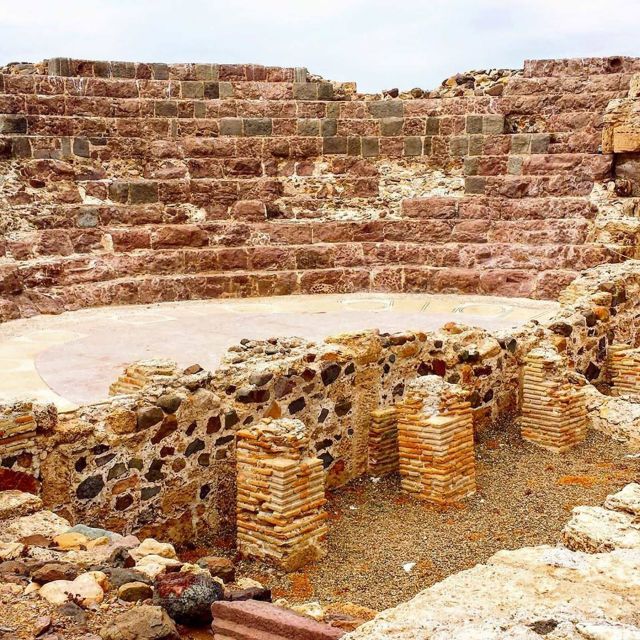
column 330, row 374
column 90, row 487
column 297, row 405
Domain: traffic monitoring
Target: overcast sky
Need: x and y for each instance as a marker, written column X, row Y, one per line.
column 378, row 43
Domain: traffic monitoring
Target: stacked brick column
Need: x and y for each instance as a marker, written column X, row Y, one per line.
column 435, row 435
column 553, row 410
column 280, row 494
column 383, row 442
column 624, row 370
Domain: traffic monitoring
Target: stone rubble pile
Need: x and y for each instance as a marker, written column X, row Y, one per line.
column 141, row 374
column 280, row 494
column 383, row 442
column 435, row 437
column 553, row 410
column 85, row 569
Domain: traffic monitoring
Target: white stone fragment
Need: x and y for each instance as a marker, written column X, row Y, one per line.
column 627, row 499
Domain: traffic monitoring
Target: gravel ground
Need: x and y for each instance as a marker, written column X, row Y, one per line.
column 525, row 497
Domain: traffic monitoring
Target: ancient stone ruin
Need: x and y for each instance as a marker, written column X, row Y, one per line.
column 210, row 499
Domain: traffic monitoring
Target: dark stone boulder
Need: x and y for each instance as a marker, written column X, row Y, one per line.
column 187, row 597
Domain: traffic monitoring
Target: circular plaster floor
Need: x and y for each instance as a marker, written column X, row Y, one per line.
column 72, row 358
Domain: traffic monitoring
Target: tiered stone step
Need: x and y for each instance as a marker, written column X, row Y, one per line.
column 383, row 442
column 435, row 437
column 280, row 494
column 553, row 410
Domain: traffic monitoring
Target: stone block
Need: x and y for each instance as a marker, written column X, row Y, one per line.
column 192, row 89
column 521, row 143
column 332, row 110
column 354, row 146
column 119, row 191
column 87, row 219
column 225, row 89
column 474, row 124
column 370, row 147
column 257, row 126
column 13, row 124
column 206, row 71
column 493, row 124
column 211, row 90
column 166, row 109
column 123, row 70
column 309, row 127
column 540, row 142
column 386, row 108
column 59, row 67
column 143, row 192
column 300, row 74
column 459, row 145
column 475, row 184
column 514, row 165
column 329, row 127
column 231, row 127
column 427, row 145
column 325, row 91
column 160, row 71
column 305, row 90
column 81, row 147
column 391, row 126
column 334, row 145
column 471, row 166
column 413, row 146
column 432, row 126
column 476, row 145
column 102, row 69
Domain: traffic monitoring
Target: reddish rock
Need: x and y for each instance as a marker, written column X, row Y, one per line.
column 18, row 480
column 187, row 597
column 254, row 620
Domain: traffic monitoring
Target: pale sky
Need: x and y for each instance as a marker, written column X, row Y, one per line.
column 380, row 44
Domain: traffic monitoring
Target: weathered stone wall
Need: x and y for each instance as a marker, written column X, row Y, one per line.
column 124, row 183
column 164, row 458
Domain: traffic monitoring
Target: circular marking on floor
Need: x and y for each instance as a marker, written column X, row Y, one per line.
column 248, row 307
column 479, row 309
column 367, row 304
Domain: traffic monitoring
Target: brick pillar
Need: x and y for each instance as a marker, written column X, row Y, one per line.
column 435, row 436
column 383, row 442
column 553, row 409
column 280, row 494
column 624, row 370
